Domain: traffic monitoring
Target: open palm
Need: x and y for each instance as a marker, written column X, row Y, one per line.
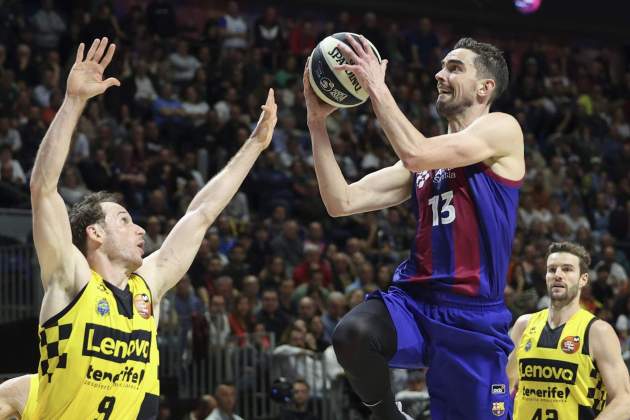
column 86, row 76
column 268, row 118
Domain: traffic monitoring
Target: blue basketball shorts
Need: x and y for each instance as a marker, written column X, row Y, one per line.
column 464, row 346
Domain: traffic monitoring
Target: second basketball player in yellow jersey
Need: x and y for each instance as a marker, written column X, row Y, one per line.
column 566, row 364
column 98, row 321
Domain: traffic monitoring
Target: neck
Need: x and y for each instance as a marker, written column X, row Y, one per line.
column 560, row 313
column 115, row 274
column 462, row 120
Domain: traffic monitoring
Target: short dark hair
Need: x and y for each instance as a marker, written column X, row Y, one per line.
column 574, row 249
column 489, row 63
column 87, row 212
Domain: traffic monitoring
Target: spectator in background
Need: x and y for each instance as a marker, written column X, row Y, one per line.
column 270, row 315
column 204, row 406
column 48, row 26
column 301, row 407
column 233, row 28
column 336, row 309
column 289, row 245
column 415, row 397
column 11, row 167
column 241, row 319
column 183, row 64
column 225, row 396
column 42, row 92
column 218, row 322
column 24, row 68
column 153, row 237
column 161, row 18
column 71, row 188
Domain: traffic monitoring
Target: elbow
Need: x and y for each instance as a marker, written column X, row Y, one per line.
column 334, row 211
column 412, row 163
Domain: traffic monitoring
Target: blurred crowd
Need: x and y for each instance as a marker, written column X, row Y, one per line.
column 275, row 261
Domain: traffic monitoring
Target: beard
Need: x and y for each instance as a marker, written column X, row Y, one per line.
column 450, row 106
column 564, row 297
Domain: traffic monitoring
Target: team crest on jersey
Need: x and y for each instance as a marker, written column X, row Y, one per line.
column 102, row 307
column 498, row 408
column 421, row 178
column 528, row 345
column 143, row 305
column 570, row 344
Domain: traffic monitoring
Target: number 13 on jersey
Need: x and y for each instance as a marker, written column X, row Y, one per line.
column 442, row 209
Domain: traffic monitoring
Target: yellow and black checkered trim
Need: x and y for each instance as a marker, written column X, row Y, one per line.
column 52, row 342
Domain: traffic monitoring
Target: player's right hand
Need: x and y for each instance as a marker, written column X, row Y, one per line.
column 316, row 109
column 86, row 75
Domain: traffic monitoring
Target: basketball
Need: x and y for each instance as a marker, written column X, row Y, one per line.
column 338, row 88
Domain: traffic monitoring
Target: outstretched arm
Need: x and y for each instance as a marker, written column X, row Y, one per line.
column 164, row 268
column 381, row 189
column 606, row 352
column 57, row 256
column 494, row 136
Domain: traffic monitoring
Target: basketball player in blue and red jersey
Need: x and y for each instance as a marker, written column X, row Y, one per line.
column 445, row 310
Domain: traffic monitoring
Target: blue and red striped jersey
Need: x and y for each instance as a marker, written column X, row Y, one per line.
column 466, row 222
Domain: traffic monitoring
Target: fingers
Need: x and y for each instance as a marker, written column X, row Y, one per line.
column 348, row 67
column 108, row 57
column 271, row 99
column 100, row 50
column 92, row 50
column 348, row 53
column 112, row 81
column 80, row 53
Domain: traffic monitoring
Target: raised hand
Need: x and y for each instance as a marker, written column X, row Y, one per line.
column 268, row 118
column 86, row 75
column 316, row 108
column 365, row 64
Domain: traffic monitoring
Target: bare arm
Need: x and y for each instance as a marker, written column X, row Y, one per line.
column 494, row 137
column 13, row 396
column 606, row 352
column 58, row 258
column 165, row 267
column 381, row 189
column 515, row 335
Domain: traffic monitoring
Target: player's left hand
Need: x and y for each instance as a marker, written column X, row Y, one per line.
column 267, row 122
column 369, row 72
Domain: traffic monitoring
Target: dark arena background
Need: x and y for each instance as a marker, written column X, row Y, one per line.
column 190, row 95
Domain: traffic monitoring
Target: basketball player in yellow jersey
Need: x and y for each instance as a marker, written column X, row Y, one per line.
column 566, row 363
column 18, row 397
column 98, row 351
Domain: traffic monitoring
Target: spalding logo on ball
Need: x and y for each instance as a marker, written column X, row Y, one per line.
column 338, row 88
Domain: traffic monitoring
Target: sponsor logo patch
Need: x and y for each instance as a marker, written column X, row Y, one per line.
column 498, row 389
column 115, row 345
column 545, row 370
column 570, row 344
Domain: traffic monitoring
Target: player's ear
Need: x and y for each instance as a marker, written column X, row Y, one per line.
column 95, row 232
column 485, row 87
column 584, row 279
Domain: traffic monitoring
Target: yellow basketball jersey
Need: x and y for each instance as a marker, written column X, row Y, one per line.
column 99, row 357
column 557, row 377
column 29, row 412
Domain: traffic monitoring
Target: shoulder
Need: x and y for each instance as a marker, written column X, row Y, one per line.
column 603, row 340
column 522, row 321
column 505, row 125
column 601, row 330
